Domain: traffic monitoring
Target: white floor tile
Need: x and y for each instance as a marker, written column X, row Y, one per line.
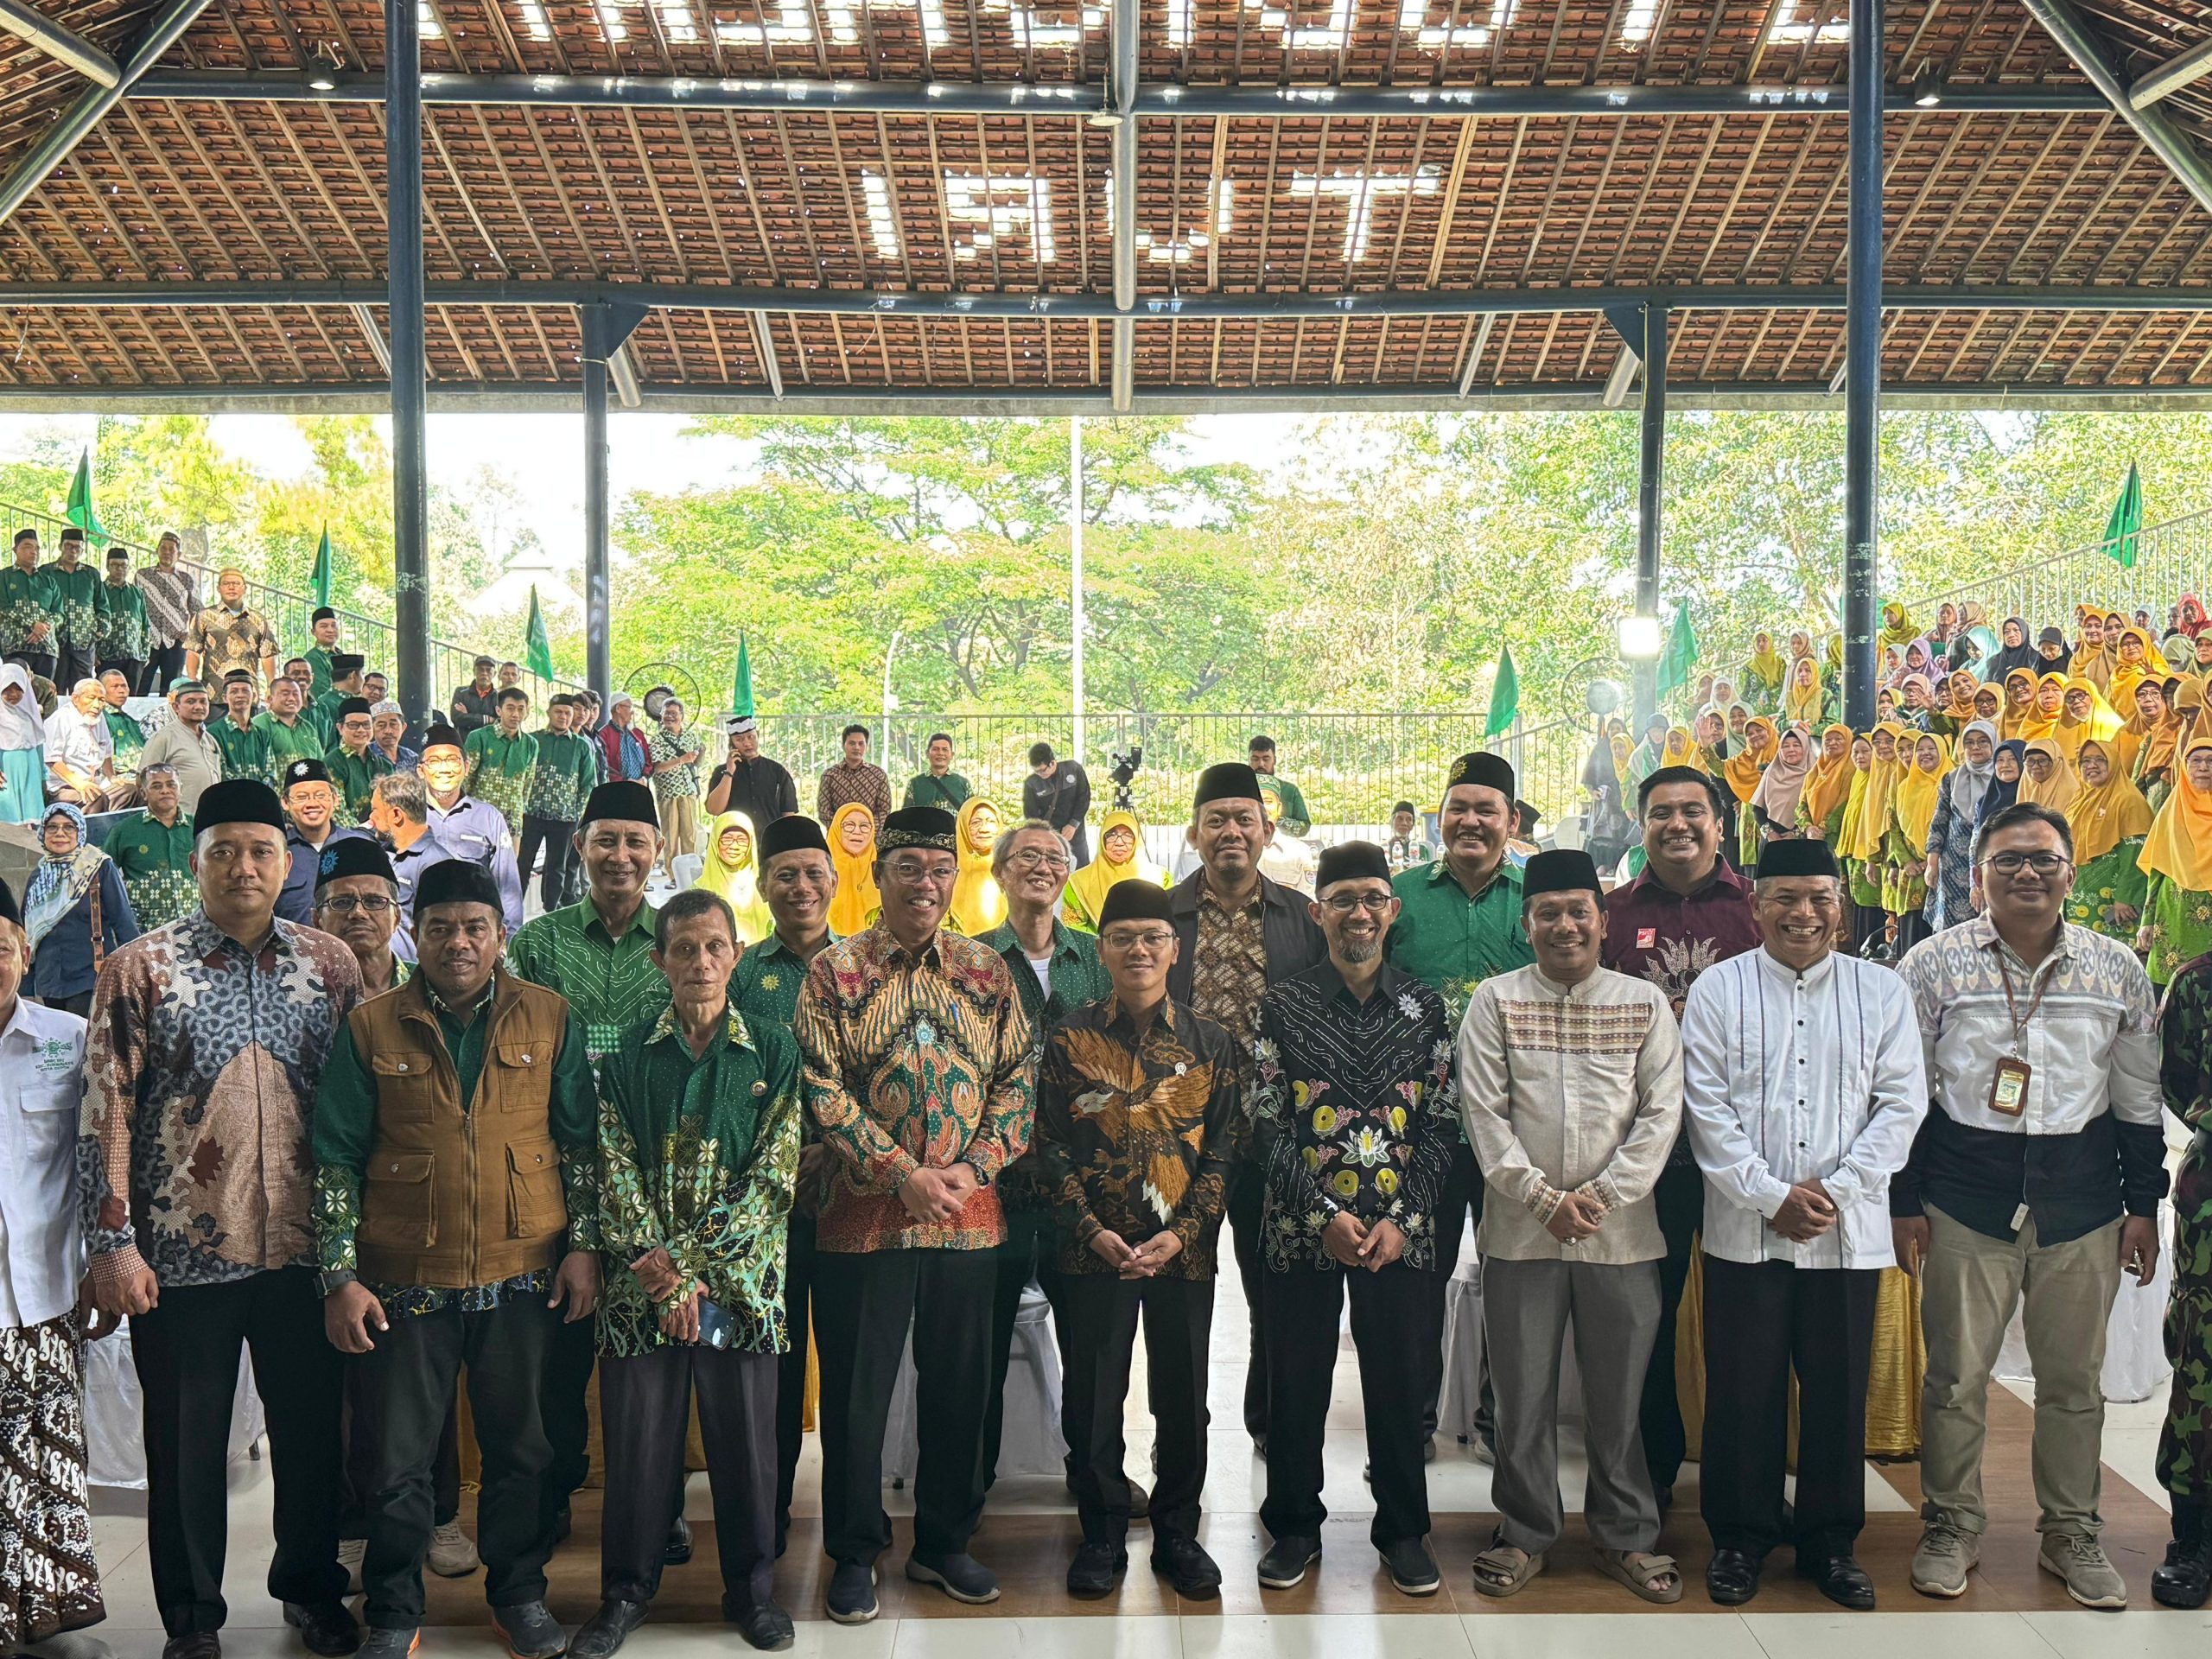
column 1326, row 1636
column 1577, row 1635
column 1853, row 1636
column 2150, row 1633
column 1136, row 1637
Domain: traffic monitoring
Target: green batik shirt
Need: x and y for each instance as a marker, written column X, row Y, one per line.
column 720, row 1212
column 1078, row 978
column 611, row 984
column 563, row 778
column 298, row 741
column 26, row 599
column 1452, row 942
column 926, row 788
column 129, row 737
column 500, row 769
column 247, row 751
column 767, row 985
column 318, row 662
column 120, row 626
column 322, row 712
column 354, row 776
column 76, row 602
column 156, row 869
column 345, row 1135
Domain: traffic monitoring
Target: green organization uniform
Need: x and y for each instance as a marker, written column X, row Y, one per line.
column 1295, row 818
column 950, row 792
column 297, row 741
column 120, row 631
column 2107, row 883
column 247, row 751
column 155, row 864
column 499, row 770
column 355, row 775
column 563, row 778
column 26, row 599
column 318, row 662
column 76, row 602
column 129, row 737
column 2179, row 925
column 322, row 712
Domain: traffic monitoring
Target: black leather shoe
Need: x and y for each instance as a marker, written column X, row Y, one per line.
column 1139, row 1502
column 1731, row 1577
column 677, row 1550
column 763, row 1624
column 1092, row 1572
column 194, row 1645
column 325, row 1626
column 1187, row 1567
column 607, row 1630
column 962, row 1577
column 2184, row 1578
column 1842, row 1580
column 1412, row 1568
column 1284, row 1565
column 850, row 1599
column 530, row 1631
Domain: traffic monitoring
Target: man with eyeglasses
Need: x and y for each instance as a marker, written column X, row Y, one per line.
column 918, row 1066
column 311, row 802
column 1136, row 1103
column 1352, row 1104
column 2036, row 1183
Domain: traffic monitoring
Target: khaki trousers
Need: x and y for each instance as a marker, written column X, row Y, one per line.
column 679, row 828
column 1969, row 1287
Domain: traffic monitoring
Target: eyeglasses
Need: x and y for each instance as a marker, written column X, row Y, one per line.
column 347, row 903
column 1037, row 861
column 1158, row 938
column 908, row 870
column 1345, row 903
column 2013, row 864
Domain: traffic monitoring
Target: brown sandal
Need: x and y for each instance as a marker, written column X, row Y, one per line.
column 1496, row 1573
column 1641, row 1576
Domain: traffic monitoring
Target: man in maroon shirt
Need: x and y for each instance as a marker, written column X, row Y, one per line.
column 1686, row 912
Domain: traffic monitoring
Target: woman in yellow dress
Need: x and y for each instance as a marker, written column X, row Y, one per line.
column 852, row 855
column 1121, row 858
column 978, row 903
column 732, row 870
column 2088, row 718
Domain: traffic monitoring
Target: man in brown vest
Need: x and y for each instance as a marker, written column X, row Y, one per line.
column 457, row 1171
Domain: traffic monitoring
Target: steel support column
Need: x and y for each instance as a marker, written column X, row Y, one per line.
column 410, row 520
column 605, row 329
column 1862, row 378
column 1650, row 471
column 1121, row 91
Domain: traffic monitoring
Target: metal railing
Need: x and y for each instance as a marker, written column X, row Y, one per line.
column 2172, row 558
column 286, row 611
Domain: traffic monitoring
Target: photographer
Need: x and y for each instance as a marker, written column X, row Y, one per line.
column 1059, row 792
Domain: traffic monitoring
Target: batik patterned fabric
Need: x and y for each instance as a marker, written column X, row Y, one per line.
column 155, row 860
column 912, row 1059
column 1229, row 975
column 119, row 627
column 610, row 983
column 76, row 602
column 671, row 781
column 225, row 639
column 1131, row 1131
column 2185, row 1038
column 500, row 771
column 200, row 1071
column 1354, row 1110
column 710, row 1180
column 48, row 1579
column 26, row 599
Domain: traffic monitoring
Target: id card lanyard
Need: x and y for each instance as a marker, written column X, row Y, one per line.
column 2008, row 1088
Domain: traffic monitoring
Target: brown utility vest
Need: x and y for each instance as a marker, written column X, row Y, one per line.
column 454, row 1198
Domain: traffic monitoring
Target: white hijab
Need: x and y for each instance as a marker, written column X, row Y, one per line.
column 20, row 727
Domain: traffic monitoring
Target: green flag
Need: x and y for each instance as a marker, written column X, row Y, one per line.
column 741, row 685
column 1680, row 659
column 2122, row 530
column 320, row 581
column 1504, row 696
column 537, row 648
column 79, row 511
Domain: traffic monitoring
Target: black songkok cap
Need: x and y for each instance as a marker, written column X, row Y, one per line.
column 305, row 770
column 930, row 828
column 789, row 835
column 1566, row 870
column 1350, row 860
column 632, row 802
column 1232, row 780
column 456, row 882
column 353, row 706
column 1487, row 771
column 1796, row 857
column 1403, row 806
column 351, row 855
column 237, row 800
column 1136, row 900
column 442, row 736
column 323, row 613
column 343, row 663
column 238, row 677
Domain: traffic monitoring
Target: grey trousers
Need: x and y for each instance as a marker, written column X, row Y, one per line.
column 1526, row 1305
column 1968, row 1289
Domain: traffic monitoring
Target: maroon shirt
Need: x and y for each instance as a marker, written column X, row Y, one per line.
column 1654, row 933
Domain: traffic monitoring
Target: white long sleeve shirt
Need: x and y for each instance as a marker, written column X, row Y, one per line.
column 1789, row 1078
column 41, row 1230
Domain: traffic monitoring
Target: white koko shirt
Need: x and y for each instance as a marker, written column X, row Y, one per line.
column 41, row 1097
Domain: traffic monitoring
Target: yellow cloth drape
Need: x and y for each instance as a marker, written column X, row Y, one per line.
column 853, row 908
column 978, row 902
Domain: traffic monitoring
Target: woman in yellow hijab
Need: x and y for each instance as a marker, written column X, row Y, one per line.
column 1680, row 750
column 852, row 855
column 732, row 870
column 2177, row 857
column 1862, row 881
column 1806, row 702
column 1922, row 761
column 978, row 903
column 1763, row 673
column 2109, row 818
column 2019, row 713
column 2047, row 777
column 1826, row 794
column 1121, row 858
column 2158, row 729
column 2051, row 707
column 1741, row 774
column 2140, row 660
column 2088, row 718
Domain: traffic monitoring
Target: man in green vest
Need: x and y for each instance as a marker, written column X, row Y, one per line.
column 321, row 711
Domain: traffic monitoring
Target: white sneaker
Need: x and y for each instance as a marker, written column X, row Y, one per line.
column 452, row 1555
column 350, row 1552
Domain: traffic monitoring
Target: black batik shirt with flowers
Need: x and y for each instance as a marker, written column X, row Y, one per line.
column 1353, row 1110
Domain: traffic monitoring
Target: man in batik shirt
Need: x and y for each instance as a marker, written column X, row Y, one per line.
column 501, row 758
column 152, row 850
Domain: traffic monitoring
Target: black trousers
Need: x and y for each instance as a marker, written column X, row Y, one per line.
column 1247, row 1185
column 360, row 1469
column 75, row 663
column 131, row 671
column 405, row 1392
column 556, row 838
column 564, row 1403
column 1098, row 1314
column 187, row 1354
column 790, row 1366
column 1462, row 1200
column 37, row 663
column 864, row 1306
column 1761, row 1322
column 164, row 664
column 644, row 1404
column 1032, row 1241
column 1393, row 1330
column 1679, row 1197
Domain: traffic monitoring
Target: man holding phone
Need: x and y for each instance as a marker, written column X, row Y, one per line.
column 699, row 1134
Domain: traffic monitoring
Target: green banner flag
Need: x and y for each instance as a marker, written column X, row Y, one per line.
column 79, row 511
column 1504, row 696
column 1679, row 661
column 320, row 581
column 741, row 685
column 537, row 648
column 2123, row 530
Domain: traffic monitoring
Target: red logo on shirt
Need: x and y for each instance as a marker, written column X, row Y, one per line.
column 1646, row 937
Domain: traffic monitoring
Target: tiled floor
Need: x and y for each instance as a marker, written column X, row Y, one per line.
column 1346, row 1609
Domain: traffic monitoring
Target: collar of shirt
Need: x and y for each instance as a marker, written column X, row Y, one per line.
column 930, row 956
column 1783, row 973
column 207, row 940
column 589, row 922
column 29, row 1027
column 1388, row 983
column 1112, row 1016
column 1507, row 872
column 1722, row 882
column 1986, row 936
column 1202, row 897
column 670, row 1026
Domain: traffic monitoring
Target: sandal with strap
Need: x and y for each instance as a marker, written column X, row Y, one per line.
column 1641, row 1576
column 1503, row 1570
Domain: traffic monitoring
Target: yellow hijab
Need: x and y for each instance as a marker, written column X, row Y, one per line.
column 1800, row 704
column 853, row 909
column 1680, row 750
column 1741, row 771
column 2100, row 725
column 737, row 880
column 2125, row 676
column 2056, row 791
column 2104, row 814
column 1765, row 662
column 2023, row 722
column 1919, row 788
column 1088, row 887
column 2179, row 846
column 978, row 902
column 1854, row 807
column 1959, row 688
column 1882, row 779
column 1829, row 781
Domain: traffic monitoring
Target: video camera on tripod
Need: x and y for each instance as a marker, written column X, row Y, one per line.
column 1125, row 767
